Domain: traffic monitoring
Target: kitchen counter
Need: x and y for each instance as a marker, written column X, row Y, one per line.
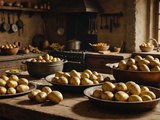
column 74, row 106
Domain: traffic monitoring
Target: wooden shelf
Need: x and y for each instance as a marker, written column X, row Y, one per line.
column 8, row 8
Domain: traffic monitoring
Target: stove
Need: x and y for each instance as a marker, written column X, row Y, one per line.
column 76, row 60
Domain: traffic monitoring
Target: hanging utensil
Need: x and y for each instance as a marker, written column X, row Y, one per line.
column 93, row 27
column 117, row 23
column 5, row 26
column 13, row 27
column 101, row 27
column 106, row 26
column 89, row 27
column 96, row 31
column 111, row 22
column 60, row 29
column 20, row 25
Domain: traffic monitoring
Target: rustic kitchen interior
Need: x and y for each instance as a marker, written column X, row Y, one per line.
column 71, row 30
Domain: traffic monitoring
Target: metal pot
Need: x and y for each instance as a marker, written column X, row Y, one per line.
column 74, row 44
column 39, row 70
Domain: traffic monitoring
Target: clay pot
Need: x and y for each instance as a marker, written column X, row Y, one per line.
column 1, row 2
column 25, row 50
column 45, row 45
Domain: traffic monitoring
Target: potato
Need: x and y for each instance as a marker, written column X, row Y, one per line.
column 134, row 98
column 74, row 73
column 12, row 83
column 93, row 77
column 150, row 93
column 3, row 90
column 156, row 68
column 108, row 86
column 138, row 58
column 34, row 60
column 11, row 90
column 107, row 95
column 95, row 82
column 133, row 68
column 134, row 89
column 86, row 81
column 100, row 78
column 156, row 59
column 46, row 90
column 146, row 98
column 95, row 73
column 22, row 88
column 88, row 71
column 55, row 96
column 97, row 93
column 67, row 75
column 55, row 79
column 144, row 67
column 149, row 58
column 59, row 74
column 46, row 57
column 41, row 97
column 32, row 94
column 121, row 86
column 121, row 96
column 14, row 77
column 123, row 67
column 2, row 82
column 144, row 88
column 121, row 63
column 4, row 77
column 75, row 81
column 129, row 83
column 85, row 75
column 130, row 62
column 39, row 57
column 143, row 61
column 23, row 81
column 63, row 80
column 154, row 63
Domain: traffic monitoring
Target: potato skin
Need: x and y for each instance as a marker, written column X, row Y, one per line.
column 22, row 88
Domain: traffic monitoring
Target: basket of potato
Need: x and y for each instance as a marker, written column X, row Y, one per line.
column 145, row 71
column 44, row 65
column 9, row 49
column 14, row 86
column 123, row 96
column 74, row 81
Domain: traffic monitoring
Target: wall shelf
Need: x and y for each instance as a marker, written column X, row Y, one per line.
column 7, row 8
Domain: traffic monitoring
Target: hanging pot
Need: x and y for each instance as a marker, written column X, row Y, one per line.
column 14, row 27
column 74, row 44
column 4, row 26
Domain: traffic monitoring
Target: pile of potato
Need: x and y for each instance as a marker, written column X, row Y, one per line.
column 149, row 63
column 9, row 46
column 44, row 94
column 13, row 84
column 46, row 58
column 87, row 77
column 124, row 92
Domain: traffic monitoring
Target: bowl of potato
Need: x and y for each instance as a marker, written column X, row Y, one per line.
column 100, row 46
column 44, row 65
column 9, row 49
column 75, row 81
column 146, row 47
column 145, row 71
column 122, row 96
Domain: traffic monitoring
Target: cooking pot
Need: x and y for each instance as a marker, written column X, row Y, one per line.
column 74, row 44
column 39, row 70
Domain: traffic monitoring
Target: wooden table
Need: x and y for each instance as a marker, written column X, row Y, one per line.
column 74, row 106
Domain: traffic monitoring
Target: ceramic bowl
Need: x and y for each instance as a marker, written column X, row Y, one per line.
column 10, row 51
column 146, row 49
column 101, row 48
